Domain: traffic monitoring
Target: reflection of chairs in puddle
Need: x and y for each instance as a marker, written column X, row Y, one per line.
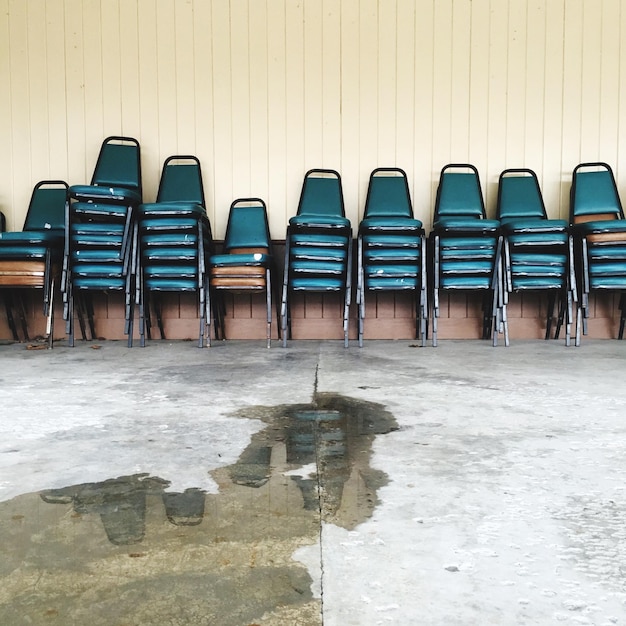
column 312, row 436
column 121, row 504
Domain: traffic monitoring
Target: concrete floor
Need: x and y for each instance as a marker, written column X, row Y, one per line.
column 313, row 485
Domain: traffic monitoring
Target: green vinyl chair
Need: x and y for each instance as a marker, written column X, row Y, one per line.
column 318, row 250
column 247, row 263
column 391, row 245
column 31, row 258
column 466, row 246
column 599, row 228
column 98, row 255
column 174, row 244
column 537, row 251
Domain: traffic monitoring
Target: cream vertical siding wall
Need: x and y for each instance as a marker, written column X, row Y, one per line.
column 262, row 90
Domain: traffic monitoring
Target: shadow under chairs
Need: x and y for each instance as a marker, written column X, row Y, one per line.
column 246, row 264
column 99, row 235
column 538, row 252
column 391, row 246
column 174, row 244
column 599, row 228
column 318, row 250
column 465, row 246
column 31, row 258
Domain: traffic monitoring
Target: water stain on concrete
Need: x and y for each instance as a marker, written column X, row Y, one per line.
column 127, row 552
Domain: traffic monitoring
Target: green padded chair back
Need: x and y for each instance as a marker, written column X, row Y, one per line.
column 321, row 194
column 119, row 164
column 459, row 193
column 594, row 192
column 519, row 195
column 388, row 194
column 247, row 225
column 46, row 210
column 181, row 180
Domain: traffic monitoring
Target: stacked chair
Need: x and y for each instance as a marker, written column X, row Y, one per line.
column 31, row 258
column 99, row 234
column 537, row 252
column 466, row 246
column 391, row 245
column 246, row 264
column 597, row 221
column 318, row 246
column 174, row 244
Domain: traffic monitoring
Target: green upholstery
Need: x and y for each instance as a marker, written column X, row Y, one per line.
column 459, row 195
column 595, row 193
column 321, row 195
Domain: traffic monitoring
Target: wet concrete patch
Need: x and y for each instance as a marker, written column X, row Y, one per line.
column 127, row 551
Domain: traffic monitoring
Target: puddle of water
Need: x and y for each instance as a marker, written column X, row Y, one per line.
column 127, row 551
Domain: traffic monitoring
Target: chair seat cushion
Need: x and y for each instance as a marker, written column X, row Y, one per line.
column 391, row 283
column 100, row 210
column 171, row 271
column 23, row 252
column 326, row 283
column 392, row 241
column 171, row 284
column 392, row 255
column 536, row 282
column 224, row 260
column 316, row 239
column 161, row 209
column 465, row 225
column 533, row 225
column 169, row 224
column 319, row 221
column 32, row 237
column 465, row 282
column 120, row 195
column 390, row 224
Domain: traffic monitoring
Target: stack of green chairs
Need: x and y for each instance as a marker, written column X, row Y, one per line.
column 318, row 246
column 391, row 245
column 599, row 228
column 174, row 243
column 538, row 252
column 466, row 246
column 99, row 242
column 246, row 264
column 31, row 258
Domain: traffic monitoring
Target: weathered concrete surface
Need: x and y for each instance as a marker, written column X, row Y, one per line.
column 494, row 493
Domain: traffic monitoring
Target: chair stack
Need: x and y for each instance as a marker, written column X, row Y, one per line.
column 174, row 244
column 99, row 243
column 466, row 246
column 31, row 258
column 246, row 264
column 597, row 221
column 538, row 252
column 318, row 246
column 391, row 245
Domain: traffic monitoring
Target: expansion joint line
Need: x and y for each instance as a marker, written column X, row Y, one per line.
column 320, row 495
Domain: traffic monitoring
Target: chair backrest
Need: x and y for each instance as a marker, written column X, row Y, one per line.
column 321, row 194
column 519, row 195
column 181, row 180
column 459, row 193
column 46, row 210
column 388, row 194
column 247, row 225
column 119, row 164
column 594, row 193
